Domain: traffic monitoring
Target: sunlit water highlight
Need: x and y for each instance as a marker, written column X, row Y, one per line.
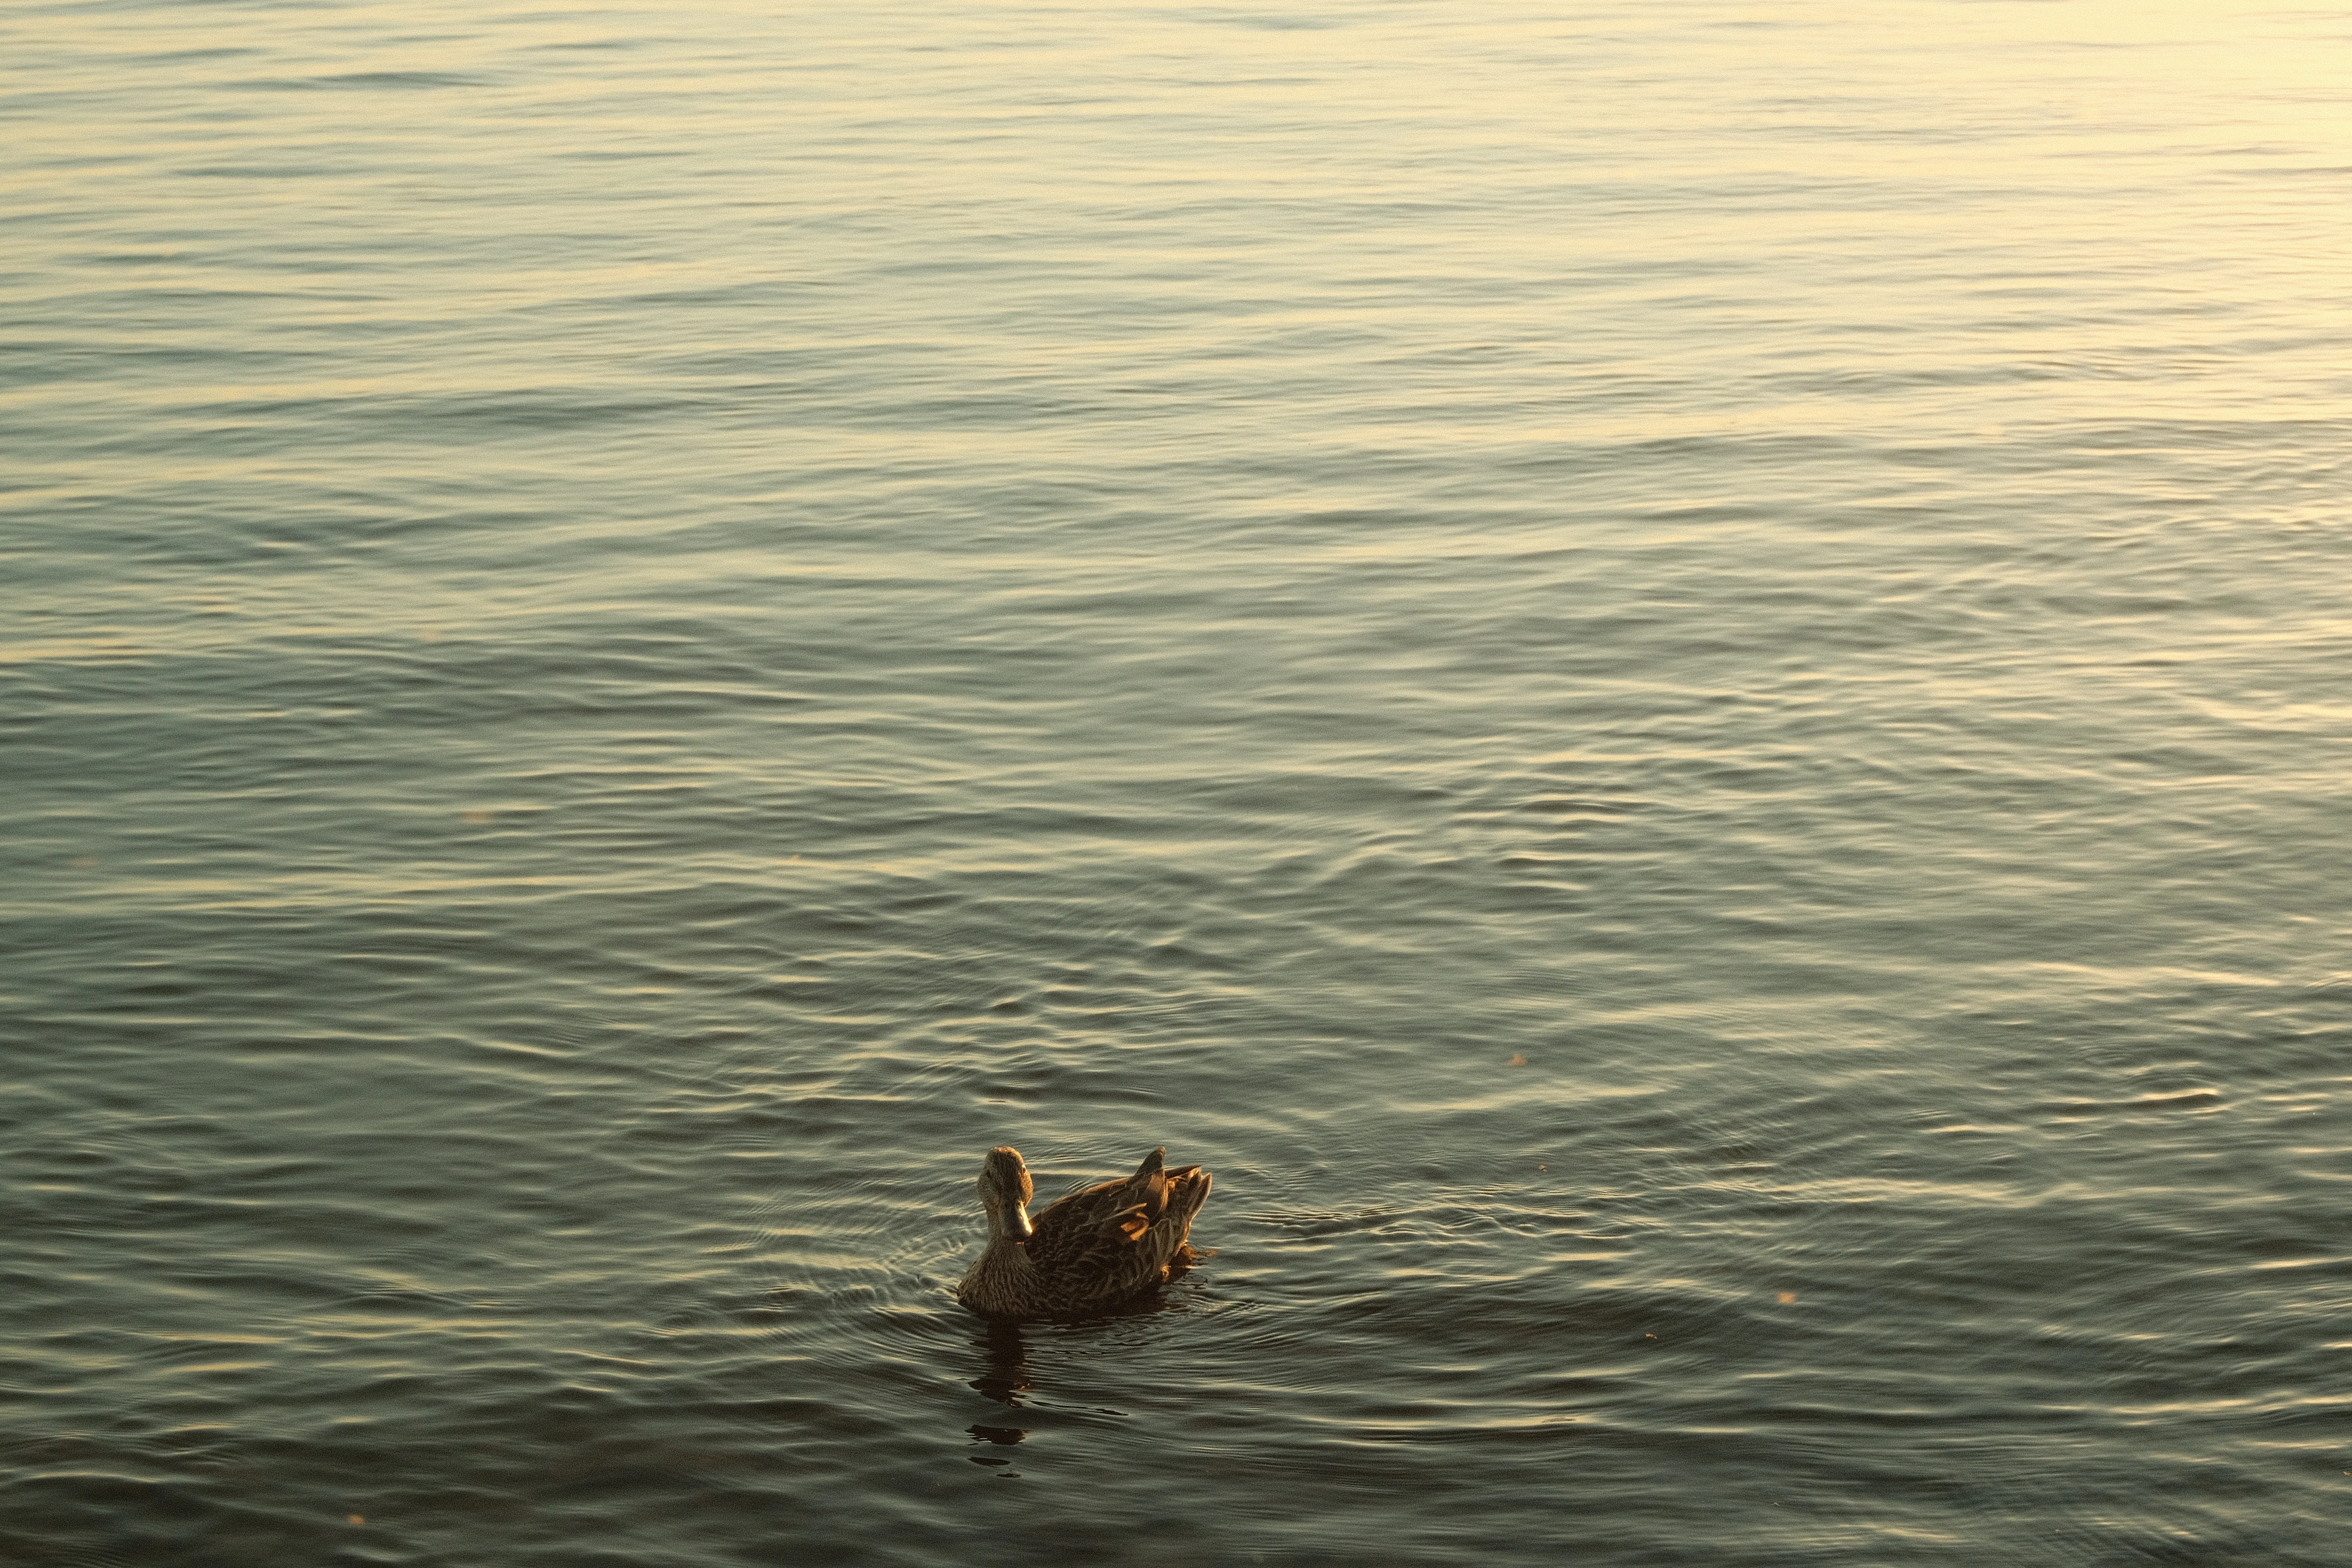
column 1673, row 678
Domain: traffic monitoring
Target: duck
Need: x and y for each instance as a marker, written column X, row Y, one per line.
column 1090, row 1250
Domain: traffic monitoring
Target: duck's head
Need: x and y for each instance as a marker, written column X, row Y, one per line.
column 1006, row 1190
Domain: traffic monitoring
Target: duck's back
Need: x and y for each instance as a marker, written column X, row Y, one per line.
column 1102, row 1243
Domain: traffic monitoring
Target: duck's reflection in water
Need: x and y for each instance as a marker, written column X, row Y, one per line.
column 1006, row 1381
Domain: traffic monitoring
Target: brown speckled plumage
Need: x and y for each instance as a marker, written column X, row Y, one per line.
column 1090, row 1250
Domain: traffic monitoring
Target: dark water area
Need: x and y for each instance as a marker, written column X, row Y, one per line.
column 1674, row 681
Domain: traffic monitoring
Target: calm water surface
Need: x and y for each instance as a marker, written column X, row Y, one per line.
column 1676, row 678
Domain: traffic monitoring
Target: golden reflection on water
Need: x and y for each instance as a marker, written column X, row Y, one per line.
column 1163, row 507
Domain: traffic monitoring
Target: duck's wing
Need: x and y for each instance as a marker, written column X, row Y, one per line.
column 1103, row 1233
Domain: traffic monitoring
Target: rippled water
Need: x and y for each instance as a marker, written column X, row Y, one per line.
column 1673, row 678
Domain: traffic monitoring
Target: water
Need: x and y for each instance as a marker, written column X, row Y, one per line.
column 1673, row 678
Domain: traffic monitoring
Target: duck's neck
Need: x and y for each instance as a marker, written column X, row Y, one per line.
column 1007, row 1256
column 1006, row 1232
column 1003, row 1281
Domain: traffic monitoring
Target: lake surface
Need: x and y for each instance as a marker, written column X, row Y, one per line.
column 1675, row 679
